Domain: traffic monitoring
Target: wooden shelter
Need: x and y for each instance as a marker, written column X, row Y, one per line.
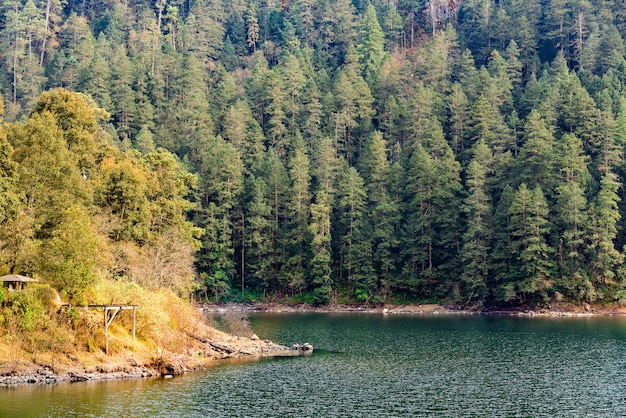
column 15, row 281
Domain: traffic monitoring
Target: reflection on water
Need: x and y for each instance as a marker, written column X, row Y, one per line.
column 374, row 365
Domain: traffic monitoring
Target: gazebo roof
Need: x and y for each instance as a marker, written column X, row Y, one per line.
column 16, row 278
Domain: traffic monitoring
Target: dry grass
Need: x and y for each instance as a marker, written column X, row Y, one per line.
column 63, row 335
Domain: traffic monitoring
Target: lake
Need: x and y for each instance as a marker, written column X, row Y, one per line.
column 368, row 365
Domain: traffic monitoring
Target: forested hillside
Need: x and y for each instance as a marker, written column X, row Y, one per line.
column 368, row 150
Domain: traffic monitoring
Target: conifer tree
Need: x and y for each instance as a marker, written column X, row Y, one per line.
column 297, row 236
column 371, row 44
column 320, row 248
column 354, row 107
column 221, row 184
column 312, row 111
column 205, row 29
column 477, row 238
column 292, row 81
column 258, row 246
column 458, row 111
column 95, row 80
column 419, row 231
column 604, row 257
column 277, row 181
column 537, row 155
column 529, row 226
column 252, row 22
column 355, row 241
column 244, row 133
column 501, row 257
column 384, row 211
column 573, row 219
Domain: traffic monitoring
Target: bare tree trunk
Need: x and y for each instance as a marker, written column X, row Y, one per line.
column 433, row 17
column 160, row 5
column 45, row 32
column 15, row 61
column 579, row 38
column 561, row 36
column 243, row 251
column 15, row 70
column 412, row 29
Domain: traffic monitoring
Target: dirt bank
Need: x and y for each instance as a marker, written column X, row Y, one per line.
column 201, row 352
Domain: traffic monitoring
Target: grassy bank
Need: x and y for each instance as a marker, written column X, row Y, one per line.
column 44, row 340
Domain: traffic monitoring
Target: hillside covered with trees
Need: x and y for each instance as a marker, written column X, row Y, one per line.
column 337, row 150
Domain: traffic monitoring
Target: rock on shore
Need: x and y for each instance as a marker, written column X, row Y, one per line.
column 206, row 352
column 47, row 376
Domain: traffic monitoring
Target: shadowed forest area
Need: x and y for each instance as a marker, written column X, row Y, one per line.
column 321, row 151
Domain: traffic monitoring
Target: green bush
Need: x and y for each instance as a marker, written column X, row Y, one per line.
column 321, row 295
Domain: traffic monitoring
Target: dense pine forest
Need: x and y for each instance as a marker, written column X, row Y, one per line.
column 471, row 151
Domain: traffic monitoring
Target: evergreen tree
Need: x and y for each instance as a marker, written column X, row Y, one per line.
column 297, row 235
column 458, row 110
column 252, row 22
column 531, row 271
column 245, row 134
column 371, row 44
column 573, row 220
column 354, row 242
column 384, row 211
column 277, row 181
column 477, row 237
column 537, row 155
column 604, row 257
column 338, row 29
column 419, row 230
column 292, row 82
column 205, row 28
column 354, row 108
column 221, row 178
column 258, row 228
column 501, row 258
column 95, row 80
column 320, row 248
column 236, row 32
column 184, row 130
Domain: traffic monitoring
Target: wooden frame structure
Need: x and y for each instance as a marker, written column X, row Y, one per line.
column 110, row 312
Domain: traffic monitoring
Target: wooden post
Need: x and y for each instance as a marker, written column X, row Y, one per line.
column 134, row 322
column 107, row 322
column 106, row 332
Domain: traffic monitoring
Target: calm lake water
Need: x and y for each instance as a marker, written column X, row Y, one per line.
column 375, row 366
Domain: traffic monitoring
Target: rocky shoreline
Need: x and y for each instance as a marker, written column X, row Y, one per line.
column 550, row 310
column 209, row 352
column 47, row 376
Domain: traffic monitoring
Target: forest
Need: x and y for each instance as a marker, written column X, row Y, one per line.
column 471, row 151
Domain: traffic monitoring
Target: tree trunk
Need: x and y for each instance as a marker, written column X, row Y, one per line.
column 45, row 32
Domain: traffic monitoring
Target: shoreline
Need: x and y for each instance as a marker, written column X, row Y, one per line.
column 205, row 353
column 552, row 310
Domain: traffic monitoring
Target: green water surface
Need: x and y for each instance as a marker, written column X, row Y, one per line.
column 378, row 366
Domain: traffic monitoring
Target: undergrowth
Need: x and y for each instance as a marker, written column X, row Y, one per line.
column 35, row 327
